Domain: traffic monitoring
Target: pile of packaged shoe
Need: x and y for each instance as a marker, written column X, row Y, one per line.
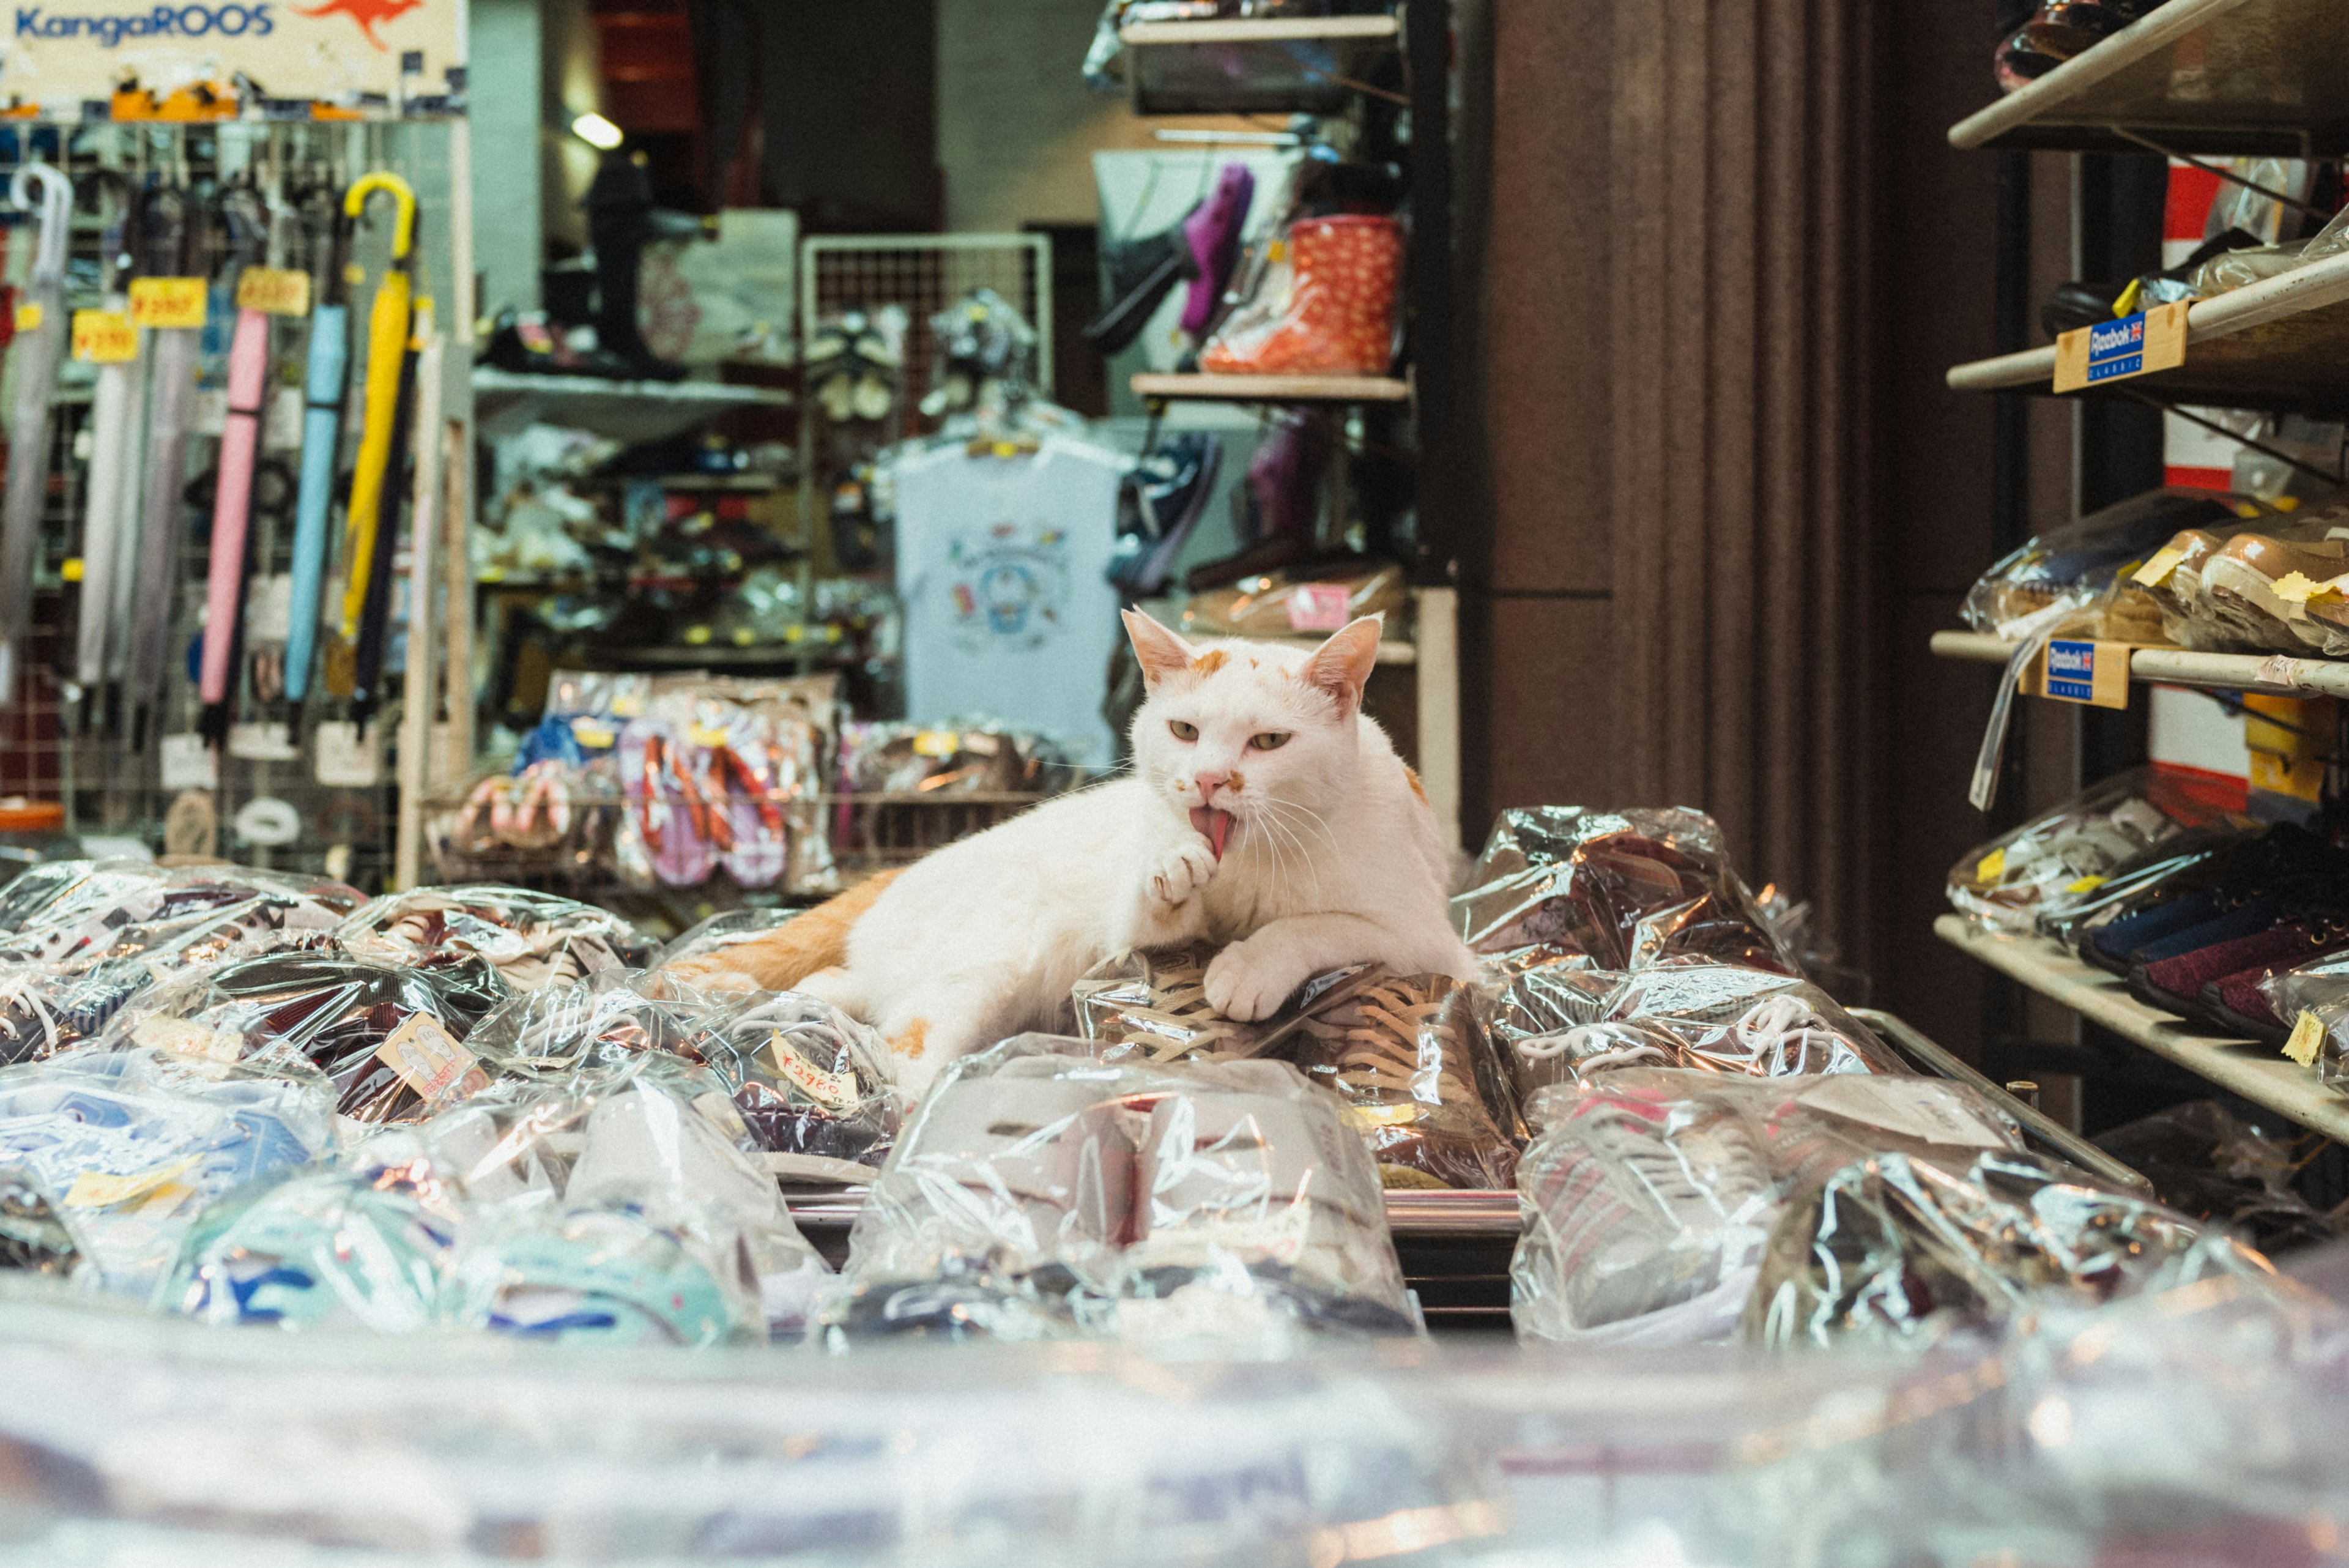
column 1721, row 1151
column 2196, row 568
column 2157, row 877
column 247, row 1098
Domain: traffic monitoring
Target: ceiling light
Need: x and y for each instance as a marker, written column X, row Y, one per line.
column 597, row 132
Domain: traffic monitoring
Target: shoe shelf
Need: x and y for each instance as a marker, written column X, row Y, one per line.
column 1275, row 65
column 2256, row 1072
column 2217, row 78
column 1227, row 389
column 2281, row 345
column 504, row 402
column 2280, row 673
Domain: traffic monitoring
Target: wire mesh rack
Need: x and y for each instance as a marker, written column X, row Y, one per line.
column 925, row 274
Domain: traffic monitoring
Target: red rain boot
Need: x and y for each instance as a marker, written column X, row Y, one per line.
column 1341, row 299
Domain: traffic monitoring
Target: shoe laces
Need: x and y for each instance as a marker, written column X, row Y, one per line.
column 1178, row 1020
column 1373, row 1040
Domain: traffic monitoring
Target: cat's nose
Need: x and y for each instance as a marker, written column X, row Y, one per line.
column 1208, row 784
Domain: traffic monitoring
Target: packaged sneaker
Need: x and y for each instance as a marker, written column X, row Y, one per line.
column 389, row 1036
column 2239, row 583
column 604, row 1021
column 127, row 1147
column 533, row 938
column 2072, row 568
column 1610, row 889
column 606, row 1274
column 1152, row 1006
column 816, row 1088
column 1905, row 1250
column 1692, row 1015
column 1649, row 1196
column 2070, row 849
column 1415, row 1068
column 318, row 1247
column 1071, row 1191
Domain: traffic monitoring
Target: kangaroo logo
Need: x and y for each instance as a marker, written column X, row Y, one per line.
column 368, row 14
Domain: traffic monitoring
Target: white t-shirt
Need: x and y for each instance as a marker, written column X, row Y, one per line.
column 1002, row 567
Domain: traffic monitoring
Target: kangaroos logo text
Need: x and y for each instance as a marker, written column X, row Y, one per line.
column 162, row 21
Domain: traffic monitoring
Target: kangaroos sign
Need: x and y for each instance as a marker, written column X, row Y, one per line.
column 376, row 56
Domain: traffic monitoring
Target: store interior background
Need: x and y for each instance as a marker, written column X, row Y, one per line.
column 1707, row 489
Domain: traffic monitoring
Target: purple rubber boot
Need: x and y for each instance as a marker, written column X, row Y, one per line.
column 1214, row 233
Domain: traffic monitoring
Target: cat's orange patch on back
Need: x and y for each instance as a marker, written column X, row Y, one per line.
column 781, row 959
column 1416, row 787
column 907, row 1042
column 1207, row 663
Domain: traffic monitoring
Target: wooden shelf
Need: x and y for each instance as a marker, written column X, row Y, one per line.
column 2280, row 674
column 2281, row 344
column 2258, row 1073
column 1276, row 388
column 2218, row 78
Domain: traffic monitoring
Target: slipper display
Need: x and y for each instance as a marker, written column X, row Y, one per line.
column 813, row 1085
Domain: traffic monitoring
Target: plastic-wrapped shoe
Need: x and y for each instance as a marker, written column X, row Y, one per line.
column 2241, row 579
column 1409, row 1057
column 1338, row 319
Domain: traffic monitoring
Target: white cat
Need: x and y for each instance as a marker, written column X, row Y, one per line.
column 1264, row 811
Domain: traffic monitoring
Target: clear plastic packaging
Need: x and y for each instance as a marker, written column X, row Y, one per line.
column 1556, row 1026
column 358, row 1248
column 1152, row 1006
column 390, row 1036
column 1610, row 889
column 2072, row 568
column 815, row 1086
column 1415, row 1066
column 1897, row 1248
column 125, row 1147
column 2072, row 848
column 33, row 1239
column 533, row 938
column 626, row 1203
column 722, row 931
column 1163, row 1202
column 1295, row 604
column 599, row 1024
column 1648, row 1195
column 2210, row 1165
column 110, row 955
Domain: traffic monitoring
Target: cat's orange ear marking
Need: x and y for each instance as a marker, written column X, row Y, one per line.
column 1159, row 651
column 1416, row 787
column 1207, row 663
column 1341, row 666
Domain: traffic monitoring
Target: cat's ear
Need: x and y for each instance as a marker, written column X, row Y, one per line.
column 1160, row 651
column 1341, row 666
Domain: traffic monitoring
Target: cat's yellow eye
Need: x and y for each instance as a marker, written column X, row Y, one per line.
column 1183, row 732
column 1270, row 741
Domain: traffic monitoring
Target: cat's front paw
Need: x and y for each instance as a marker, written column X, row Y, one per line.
column 1179, row 876
column 1245, row 983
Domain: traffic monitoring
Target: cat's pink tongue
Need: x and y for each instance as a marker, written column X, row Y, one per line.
column 1215, row 823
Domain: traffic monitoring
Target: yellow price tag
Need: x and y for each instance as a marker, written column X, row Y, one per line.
column 104, row 338
column 2307, row 1035
column 72, row 569
column 1991, row 866
column 2084, row 885
column 2156, row 569
column 167, row 302
column 273, row 291
column 96, row 1190
column 28, row 315
column 938, row 743
column 705, row 735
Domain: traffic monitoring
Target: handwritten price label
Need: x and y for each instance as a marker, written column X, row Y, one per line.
column 167, row 302
column 273, row 291
column 104, row 337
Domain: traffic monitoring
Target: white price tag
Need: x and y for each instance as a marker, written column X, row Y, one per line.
column 281, row 420
column 346, row 759
column 428, row 1058
column 189, row 763
column 264, row 743
column 269, row 608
